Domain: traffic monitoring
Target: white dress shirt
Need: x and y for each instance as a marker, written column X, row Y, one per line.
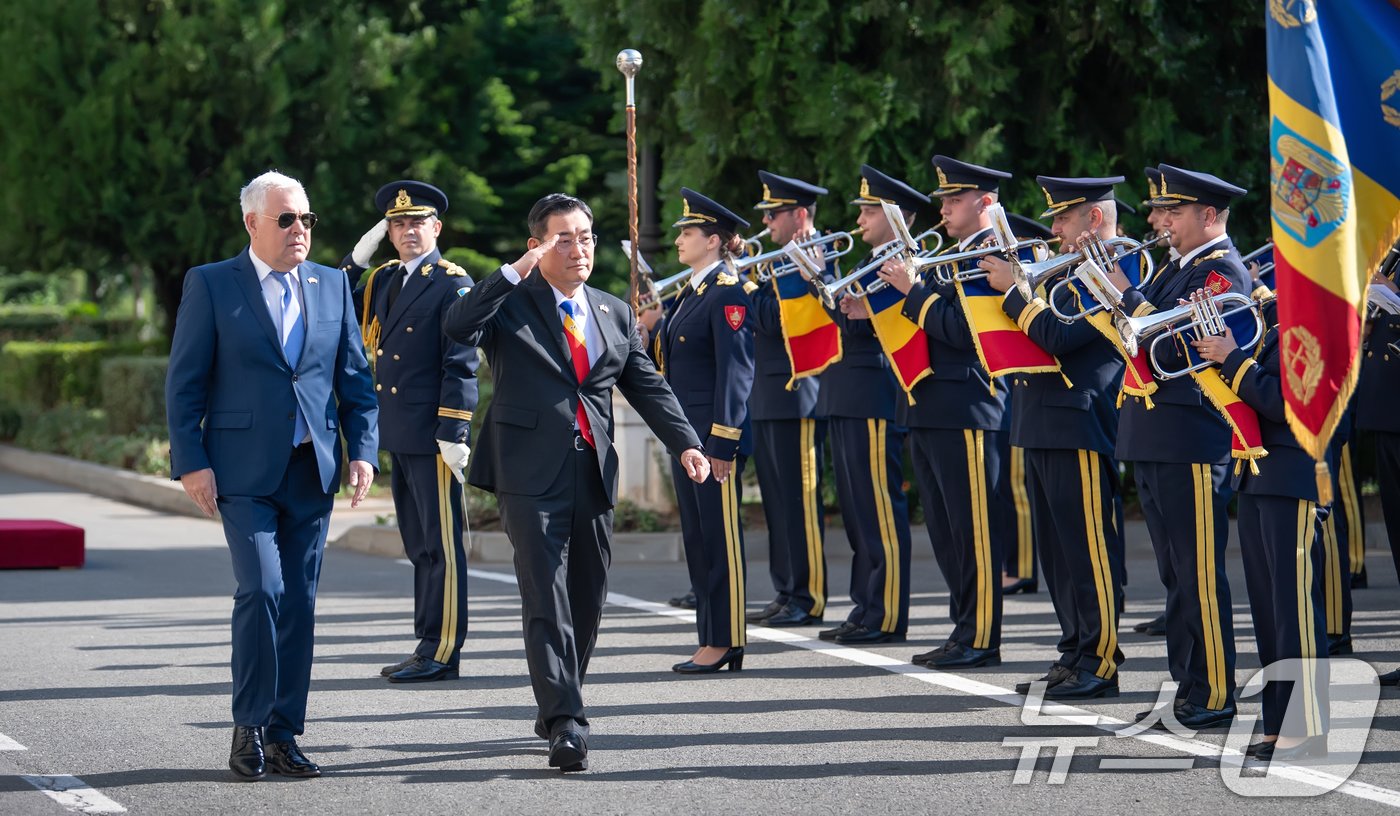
column 592, row 335
column 272, row 291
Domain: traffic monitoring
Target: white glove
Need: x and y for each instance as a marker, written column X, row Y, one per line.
column 454, row 455
column 364, row 249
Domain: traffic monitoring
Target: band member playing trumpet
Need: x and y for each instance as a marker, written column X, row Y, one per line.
column 788, row 434
column 1180, row 447
column 955, row 420
column 1283, row 560
column 706, row 354
column 858, row 396
column 1067, row 422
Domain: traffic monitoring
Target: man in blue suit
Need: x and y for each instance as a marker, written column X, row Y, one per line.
column 267, row 369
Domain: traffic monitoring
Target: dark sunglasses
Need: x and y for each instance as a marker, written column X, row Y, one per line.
column 285, row 220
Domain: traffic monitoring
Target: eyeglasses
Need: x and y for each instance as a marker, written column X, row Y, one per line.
column 284, row 220
column 565, row 246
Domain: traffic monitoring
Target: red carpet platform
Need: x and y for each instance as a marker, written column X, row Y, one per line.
column 29, row 543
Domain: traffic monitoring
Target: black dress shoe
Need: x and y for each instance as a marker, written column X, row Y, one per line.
column 399, row 666
column 1058, row 673
column 1358, row 579
column 962, row 656
column 1157, row 627
column 763, row 614
column 922, row 658
column 1310, row 748
column 1390, row 678
column 1083, row 685
column 1339, row 645
column 1261, row 749
column 423, row 670
column 733, row 658
column 865, row 636
column 286, row 758
column 246, row 758
column 568, row 752
column 791, row 615
column 1142, row 715
column 832, row 634
column 1195, row 717
column 686, row 601
column 1029, row 586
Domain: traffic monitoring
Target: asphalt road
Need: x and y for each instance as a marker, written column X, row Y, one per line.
column 114, row 692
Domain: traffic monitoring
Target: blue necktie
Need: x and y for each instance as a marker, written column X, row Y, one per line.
column 293, row 335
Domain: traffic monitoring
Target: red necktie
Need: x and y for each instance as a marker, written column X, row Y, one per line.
column 574, row 335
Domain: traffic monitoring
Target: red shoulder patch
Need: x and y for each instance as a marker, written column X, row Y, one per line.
column 735, row 316
column 1217, row 283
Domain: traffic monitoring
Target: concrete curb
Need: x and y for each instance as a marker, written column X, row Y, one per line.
column 100, row 480
column 492, row 547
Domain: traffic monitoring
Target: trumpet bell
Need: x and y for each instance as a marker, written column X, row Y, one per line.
column 1201, row 318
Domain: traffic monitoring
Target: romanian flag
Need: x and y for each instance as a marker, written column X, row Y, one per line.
column 1001, row 345
column 1334, row 101
column 812, row 338
column 905, row 344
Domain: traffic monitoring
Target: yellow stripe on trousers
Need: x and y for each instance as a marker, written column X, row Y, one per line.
column 811, row 518
column 1206, row 589
column 1351, row 504
column 1332, row 575
column 981, row 535
column 1025, row 552
column 1091, row 486
column 1307, row 637
column 884, row 513
column 729, row 500
column 447, row 637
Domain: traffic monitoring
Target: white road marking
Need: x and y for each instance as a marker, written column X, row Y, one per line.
column 7, row 744
column 74, row 794
column 954, row 682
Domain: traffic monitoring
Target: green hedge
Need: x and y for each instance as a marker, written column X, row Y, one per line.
column 37, row 376
column 133, row 393
column 82, row 434
column 76, row 321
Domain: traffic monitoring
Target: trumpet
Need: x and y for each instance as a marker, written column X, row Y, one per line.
column 1264, row 268
column 754, row 243
column 1381, row 301
column 648, row 297
column 1095, row 260
column 903, row 245
column 1204, row 316
column 832, row 245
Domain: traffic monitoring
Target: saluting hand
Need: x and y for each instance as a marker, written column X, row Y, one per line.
column 528, row 261
column 697, row 467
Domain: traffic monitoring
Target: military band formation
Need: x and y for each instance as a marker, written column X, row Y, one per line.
column 1019, row 379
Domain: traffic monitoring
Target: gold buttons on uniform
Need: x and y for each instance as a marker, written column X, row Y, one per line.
column 396, row 356
column 380, row 352
column 682, row 338
column 378, row 386
column 394, row 389
column 409, row 330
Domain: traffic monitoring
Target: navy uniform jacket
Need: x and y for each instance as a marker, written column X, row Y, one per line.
column 1378, row 391
column 708, row 361
column 771, row 398
column 1047, row 414
column 959, row 393
column 1182, row 426
column 425, row 381
column 1287, row 470
column 860, row 385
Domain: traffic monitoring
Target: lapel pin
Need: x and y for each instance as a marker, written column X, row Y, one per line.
column 310, row 280
column 427, row 270
column 602, row 307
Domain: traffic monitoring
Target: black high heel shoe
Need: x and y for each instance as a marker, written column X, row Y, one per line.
column 733, row 658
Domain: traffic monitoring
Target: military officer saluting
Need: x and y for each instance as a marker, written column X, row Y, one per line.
column 788, row 434
column 1180, row 447
column 426, row 384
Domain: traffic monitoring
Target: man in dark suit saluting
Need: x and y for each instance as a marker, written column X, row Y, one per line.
column 556, row 348
column 267, row 369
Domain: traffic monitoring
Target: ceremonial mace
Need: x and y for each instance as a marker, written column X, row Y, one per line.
column 629, row 62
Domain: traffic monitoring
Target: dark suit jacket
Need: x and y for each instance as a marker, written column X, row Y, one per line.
column 426, row 383
column 231, row 397
column 527, row 433
column 1378, row 391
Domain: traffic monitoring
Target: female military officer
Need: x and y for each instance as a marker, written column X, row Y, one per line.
column 705, row 351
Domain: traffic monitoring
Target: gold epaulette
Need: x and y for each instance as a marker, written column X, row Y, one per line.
column 1214, row 256
column 750, row 287
column 451, row 269
column 725, row 279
